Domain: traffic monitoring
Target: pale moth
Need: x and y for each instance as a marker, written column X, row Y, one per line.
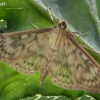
column 53, row 51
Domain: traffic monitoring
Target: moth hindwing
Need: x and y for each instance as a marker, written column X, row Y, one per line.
column 53, row 51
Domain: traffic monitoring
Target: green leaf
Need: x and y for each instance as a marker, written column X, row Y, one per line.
column 40, row 97
column 17, row 13
column 86, row 97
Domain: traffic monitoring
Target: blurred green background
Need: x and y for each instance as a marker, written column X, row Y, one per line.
column 98, row 7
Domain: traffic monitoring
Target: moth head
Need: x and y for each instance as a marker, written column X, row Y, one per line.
column 62, row 24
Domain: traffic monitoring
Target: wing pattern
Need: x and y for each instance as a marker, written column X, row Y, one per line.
column 26, row 53
column 55, row 52
column 71, row 68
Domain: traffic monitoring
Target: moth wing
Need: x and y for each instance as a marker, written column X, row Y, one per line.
column 71, row 68
column 25, row 51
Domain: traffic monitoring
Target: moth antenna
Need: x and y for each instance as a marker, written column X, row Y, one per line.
column 33, row 24
column 48, row 9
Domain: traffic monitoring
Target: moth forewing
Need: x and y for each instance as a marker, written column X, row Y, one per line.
column 26, row 32
column 81, row 49
column 79, row 71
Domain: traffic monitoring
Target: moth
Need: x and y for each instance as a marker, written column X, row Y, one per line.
column 55, row 52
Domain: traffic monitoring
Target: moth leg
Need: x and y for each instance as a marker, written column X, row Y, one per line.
column 75, row 32
column 83, row 45
column 79, row 33
column 82, row 34
column 48, row 9
column 89, row 49
column 33, row 24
